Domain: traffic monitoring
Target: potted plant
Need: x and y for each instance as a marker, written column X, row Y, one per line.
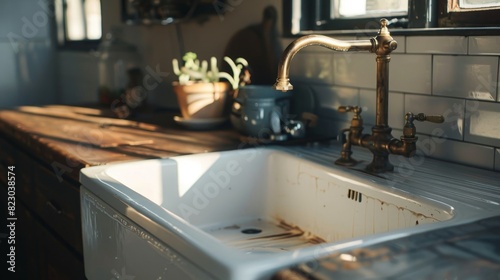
column 200, row 91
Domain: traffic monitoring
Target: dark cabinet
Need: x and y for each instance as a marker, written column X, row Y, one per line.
column 48, row 242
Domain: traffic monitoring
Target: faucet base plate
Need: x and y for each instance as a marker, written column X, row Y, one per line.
column 380, row 164
column 346, row 162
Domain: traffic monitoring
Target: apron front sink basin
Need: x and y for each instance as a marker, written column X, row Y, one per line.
column 237, row 214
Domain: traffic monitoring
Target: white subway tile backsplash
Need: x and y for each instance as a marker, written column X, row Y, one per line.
column 354, row 69
column 482, row 123
column 437, row 44
column 472, row 77
column 367, row 102
column 484, row 45
column 314, row 67
column 456, row 151
column 451, row 108
column 410, row 73
column 396, row 108
column 329, row 98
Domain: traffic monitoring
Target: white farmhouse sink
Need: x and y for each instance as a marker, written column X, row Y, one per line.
column 240, row 214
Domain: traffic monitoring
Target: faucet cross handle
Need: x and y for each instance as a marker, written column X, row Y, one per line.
column 409, row 129
column 423, row 117
column 355, row 109
column 383, row 27
column 356, row 121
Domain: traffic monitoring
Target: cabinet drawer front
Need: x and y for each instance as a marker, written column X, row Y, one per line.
column 60, row 263
column 23, row 170
column 7, row 158
column 58, row 204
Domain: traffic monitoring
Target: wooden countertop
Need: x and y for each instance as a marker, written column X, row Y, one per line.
column 69, row 138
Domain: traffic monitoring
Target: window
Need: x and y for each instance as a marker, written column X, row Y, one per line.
column 305, row 16
column 367, row 8
column 78, row 23
column 467, row 5
column 470, row 13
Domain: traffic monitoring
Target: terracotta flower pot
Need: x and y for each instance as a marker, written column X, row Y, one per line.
column 203, row 100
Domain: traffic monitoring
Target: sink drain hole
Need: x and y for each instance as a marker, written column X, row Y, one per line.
column 251, row 231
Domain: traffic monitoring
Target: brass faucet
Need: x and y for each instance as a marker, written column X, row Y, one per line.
column 380, row 142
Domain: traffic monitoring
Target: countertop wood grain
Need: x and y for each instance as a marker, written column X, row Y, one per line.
column 69, row 138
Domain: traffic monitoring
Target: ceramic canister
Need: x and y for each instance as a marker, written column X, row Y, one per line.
column 258, row 110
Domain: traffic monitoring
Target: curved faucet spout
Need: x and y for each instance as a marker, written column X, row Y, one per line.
column 283, row 81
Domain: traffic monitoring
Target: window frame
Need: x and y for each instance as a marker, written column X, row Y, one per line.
column 426, row 17
column 182, row 11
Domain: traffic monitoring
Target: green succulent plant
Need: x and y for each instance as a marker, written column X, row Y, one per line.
column 195, row 70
